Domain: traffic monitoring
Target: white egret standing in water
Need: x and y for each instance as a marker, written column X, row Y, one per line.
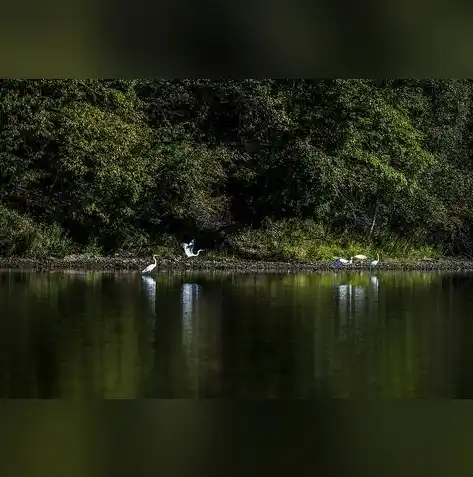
column 150, row 267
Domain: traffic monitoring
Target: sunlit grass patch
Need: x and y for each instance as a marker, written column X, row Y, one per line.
column 307, row 240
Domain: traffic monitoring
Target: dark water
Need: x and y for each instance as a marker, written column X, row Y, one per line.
column 86, row 335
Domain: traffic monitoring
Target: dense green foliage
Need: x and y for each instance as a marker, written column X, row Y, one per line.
column 268, row 168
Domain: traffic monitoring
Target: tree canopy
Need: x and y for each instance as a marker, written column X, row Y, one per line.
column 128, row 164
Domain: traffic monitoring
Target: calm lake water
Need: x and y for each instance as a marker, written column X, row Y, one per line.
column 202, row 335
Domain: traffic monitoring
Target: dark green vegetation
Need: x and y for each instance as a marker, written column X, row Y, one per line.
column 273, row 169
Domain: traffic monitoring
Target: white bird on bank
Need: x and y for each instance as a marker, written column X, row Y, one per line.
column 342, row 261
column 374, row 263
column 189, row 245
column 188, row 249
column 360, row 257
column 189, row 253
column 150, row 267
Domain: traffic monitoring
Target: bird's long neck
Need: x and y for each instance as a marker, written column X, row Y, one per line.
column 154, row 256
column 377, row 255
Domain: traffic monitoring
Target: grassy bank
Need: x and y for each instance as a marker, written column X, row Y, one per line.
column 283, row 240
column 283, row 245
column 293, row 239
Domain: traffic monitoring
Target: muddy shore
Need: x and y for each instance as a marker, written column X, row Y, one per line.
column 239, row 265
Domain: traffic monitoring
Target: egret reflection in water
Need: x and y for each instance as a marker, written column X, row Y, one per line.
column 190, row 294
column 150, row 288
column 352, row 299
column 374, row 282
column 351, row 296
column 344, row 295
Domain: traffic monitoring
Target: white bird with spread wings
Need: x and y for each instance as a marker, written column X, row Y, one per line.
column 188, row 249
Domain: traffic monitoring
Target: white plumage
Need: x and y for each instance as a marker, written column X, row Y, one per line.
column 150, row 267
column 188, row 249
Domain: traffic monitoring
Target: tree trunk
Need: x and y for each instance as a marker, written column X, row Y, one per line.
column 374, row 220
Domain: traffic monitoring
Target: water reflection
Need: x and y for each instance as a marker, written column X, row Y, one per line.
column 189, row 299
column 354, row 298
column 150, row 288
column 289, row 335
column 374, row 282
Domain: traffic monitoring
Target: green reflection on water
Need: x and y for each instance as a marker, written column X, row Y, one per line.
column 335, row 334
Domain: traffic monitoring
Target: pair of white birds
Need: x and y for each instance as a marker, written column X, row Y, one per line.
column 344, row 261
column 187, row 250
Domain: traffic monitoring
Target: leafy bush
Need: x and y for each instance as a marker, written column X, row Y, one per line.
column 22, row 236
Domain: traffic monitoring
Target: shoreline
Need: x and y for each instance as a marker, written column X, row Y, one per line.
column 224, row 264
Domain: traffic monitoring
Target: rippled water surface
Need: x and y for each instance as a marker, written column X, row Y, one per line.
column 336, row 334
